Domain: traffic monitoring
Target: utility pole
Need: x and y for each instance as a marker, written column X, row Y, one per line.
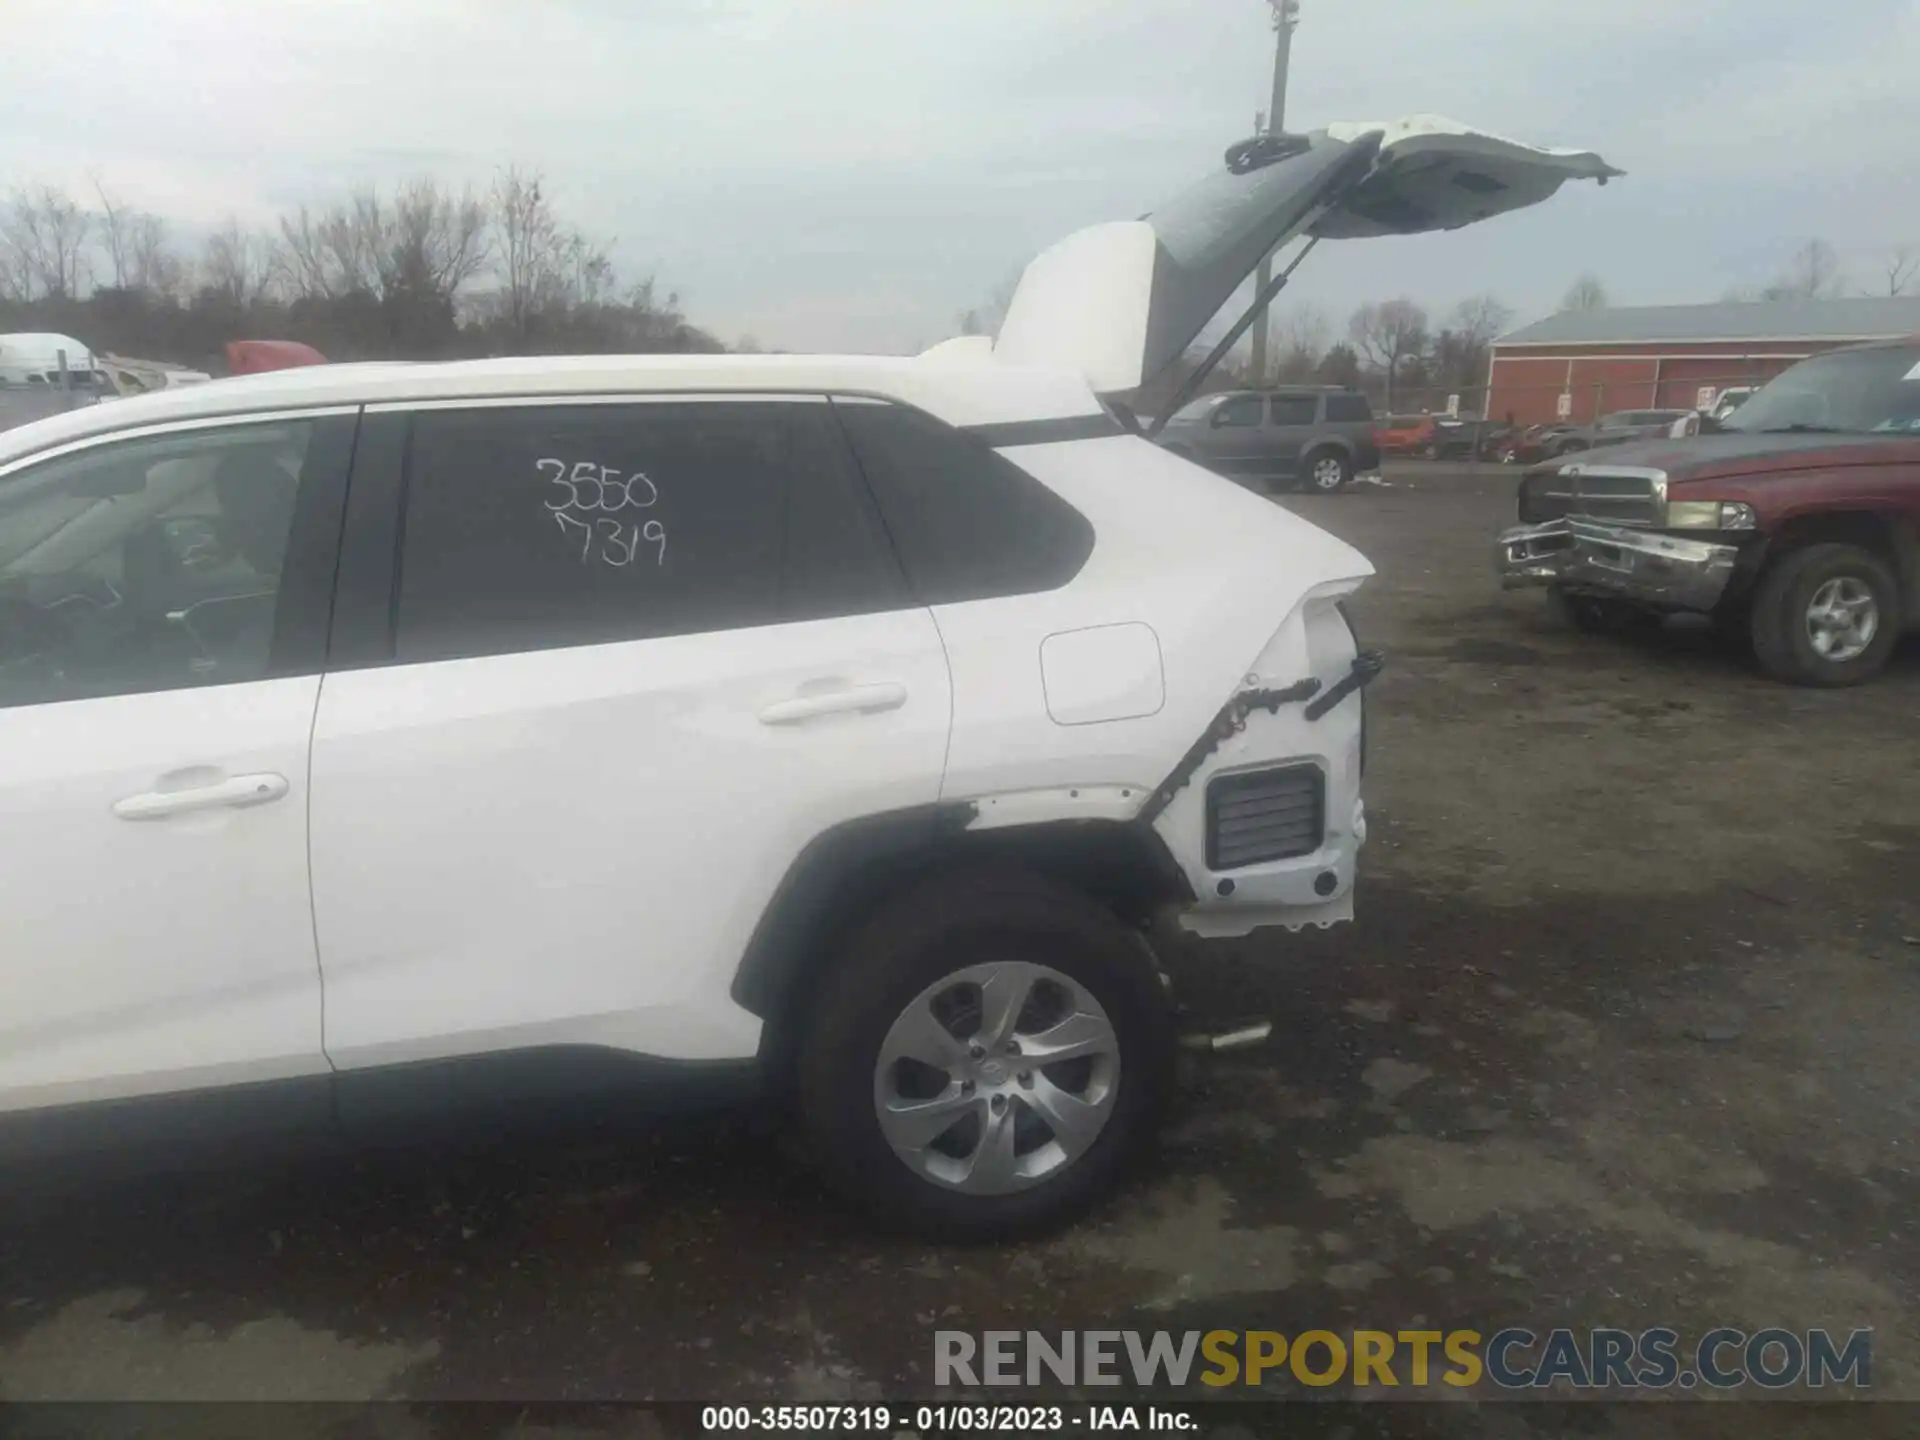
column 1286, row 15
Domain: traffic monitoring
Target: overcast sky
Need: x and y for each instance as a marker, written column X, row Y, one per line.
column 850, row 174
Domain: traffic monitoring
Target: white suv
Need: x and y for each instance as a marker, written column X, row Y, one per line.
column 375, row 738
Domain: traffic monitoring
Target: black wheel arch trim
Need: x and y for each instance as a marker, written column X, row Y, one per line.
column 844, row 871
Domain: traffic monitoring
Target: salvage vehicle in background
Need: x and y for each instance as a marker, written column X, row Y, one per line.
column 1618, row 428
column 845, row 728
column 1468, row 439
column 1405, row 435
column 1315, row 436
column 1533, row 444
column 1795, row 524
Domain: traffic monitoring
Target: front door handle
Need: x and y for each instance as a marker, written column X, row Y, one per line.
column 232, row 794
column 854, row 700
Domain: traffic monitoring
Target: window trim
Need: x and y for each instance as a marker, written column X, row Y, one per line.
column 173, row 427
column 600, row 397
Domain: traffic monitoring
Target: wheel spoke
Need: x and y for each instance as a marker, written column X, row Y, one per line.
column 1076, row 1036
column 916, row 1124
column 1074, row 1122
column 1002, row 997
column 919, row 1035
column 993, row 1166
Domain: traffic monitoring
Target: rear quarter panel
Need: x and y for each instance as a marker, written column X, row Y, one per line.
column 1219, row 575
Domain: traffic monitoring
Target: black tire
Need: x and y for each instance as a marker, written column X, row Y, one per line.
column 912, row 942
column 1781, row 640
column 1333, row 481
column 1599, row 615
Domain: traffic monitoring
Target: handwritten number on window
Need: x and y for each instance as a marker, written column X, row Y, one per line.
column 596, row 491
column 567, row 522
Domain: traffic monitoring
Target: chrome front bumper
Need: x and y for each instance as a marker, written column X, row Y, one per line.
column 1640, row 565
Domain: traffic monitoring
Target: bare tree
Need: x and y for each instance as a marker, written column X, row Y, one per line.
column 1903, row 267
column 44, row 237
column 1586, row 293
column 427, row 243
column 1388, row 335
column 1481, row 319
column 1300, row 337
column 308, row 270
column 432, row 241
column 1812, row 274
column 236, row 264
column 151, row 264
column 115, row 233
column 529, row 244
column 1462, row 348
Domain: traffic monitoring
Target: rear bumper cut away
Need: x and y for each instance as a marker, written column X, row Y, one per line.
column 1644, row 566
column 1265, row 815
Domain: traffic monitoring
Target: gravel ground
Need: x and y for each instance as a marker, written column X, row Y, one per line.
column 1623, row 1036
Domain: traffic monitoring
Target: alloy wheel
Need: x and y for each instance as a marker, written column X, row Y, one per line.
column 996, row 1077
column 1842, row 619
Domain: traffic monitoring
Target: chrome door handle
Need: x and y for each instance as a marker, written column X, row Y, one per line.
column 233, row 794
column 855, row 700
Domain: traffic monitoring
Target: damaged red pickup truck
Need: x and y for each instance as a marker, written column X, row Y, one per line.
column 1794, row 523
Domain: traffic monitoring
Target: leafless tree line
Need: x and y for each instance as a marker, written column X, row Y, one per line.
column 1390, row 346
column 415, row 271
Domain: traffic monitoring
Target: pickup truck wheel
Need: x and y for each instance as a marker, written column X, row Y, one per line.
column 986, row 1058
column 1826, row 615
column 1328, row 471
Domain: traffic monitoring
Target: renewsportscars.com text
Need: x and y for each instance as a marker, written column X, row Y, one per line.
column 1510, row 1359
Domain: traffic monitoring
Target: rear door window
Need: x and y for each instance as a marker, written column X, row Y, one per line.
column 1295, row 409
column 537, row 527
column 968, row 523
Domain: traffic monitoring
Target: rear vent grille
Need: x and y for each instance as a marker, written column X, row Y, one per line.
column 1265, row 815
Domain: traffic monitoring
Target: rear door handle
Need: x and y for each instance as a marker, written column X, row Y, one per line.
column 855, row 700
column 232, row 794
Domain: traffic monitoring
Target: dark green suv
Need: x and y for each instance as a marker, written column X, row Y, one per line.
column 1317, row 437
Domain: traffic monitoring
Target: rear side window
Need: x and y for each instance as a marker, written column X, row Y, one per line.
column 538, row 527
column 1295, row 409
column 1347, row 408
column 968, row 523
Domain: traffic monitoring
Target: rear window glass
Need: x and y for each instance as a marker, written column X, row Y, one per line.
column 967, row 522
column 1295, row 409
column 1348, row 408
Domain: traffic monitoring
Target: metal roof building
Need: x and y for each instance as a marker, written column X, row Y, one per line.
column 1586, row 363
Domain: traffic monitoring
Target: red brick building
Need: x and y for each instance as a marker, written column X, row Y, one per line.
column 1592, row 362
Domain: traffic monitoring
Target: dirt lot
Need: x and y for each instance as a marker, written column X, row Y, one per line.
column 1624, row 1035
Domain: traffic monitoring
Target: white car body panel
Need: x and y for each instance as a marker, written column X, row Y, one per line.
column 142, row 956
column 574, row 846
column 1220, row 575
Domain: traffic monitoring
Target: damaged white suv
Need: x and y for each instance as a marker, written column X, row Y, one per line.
column 386, row 741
